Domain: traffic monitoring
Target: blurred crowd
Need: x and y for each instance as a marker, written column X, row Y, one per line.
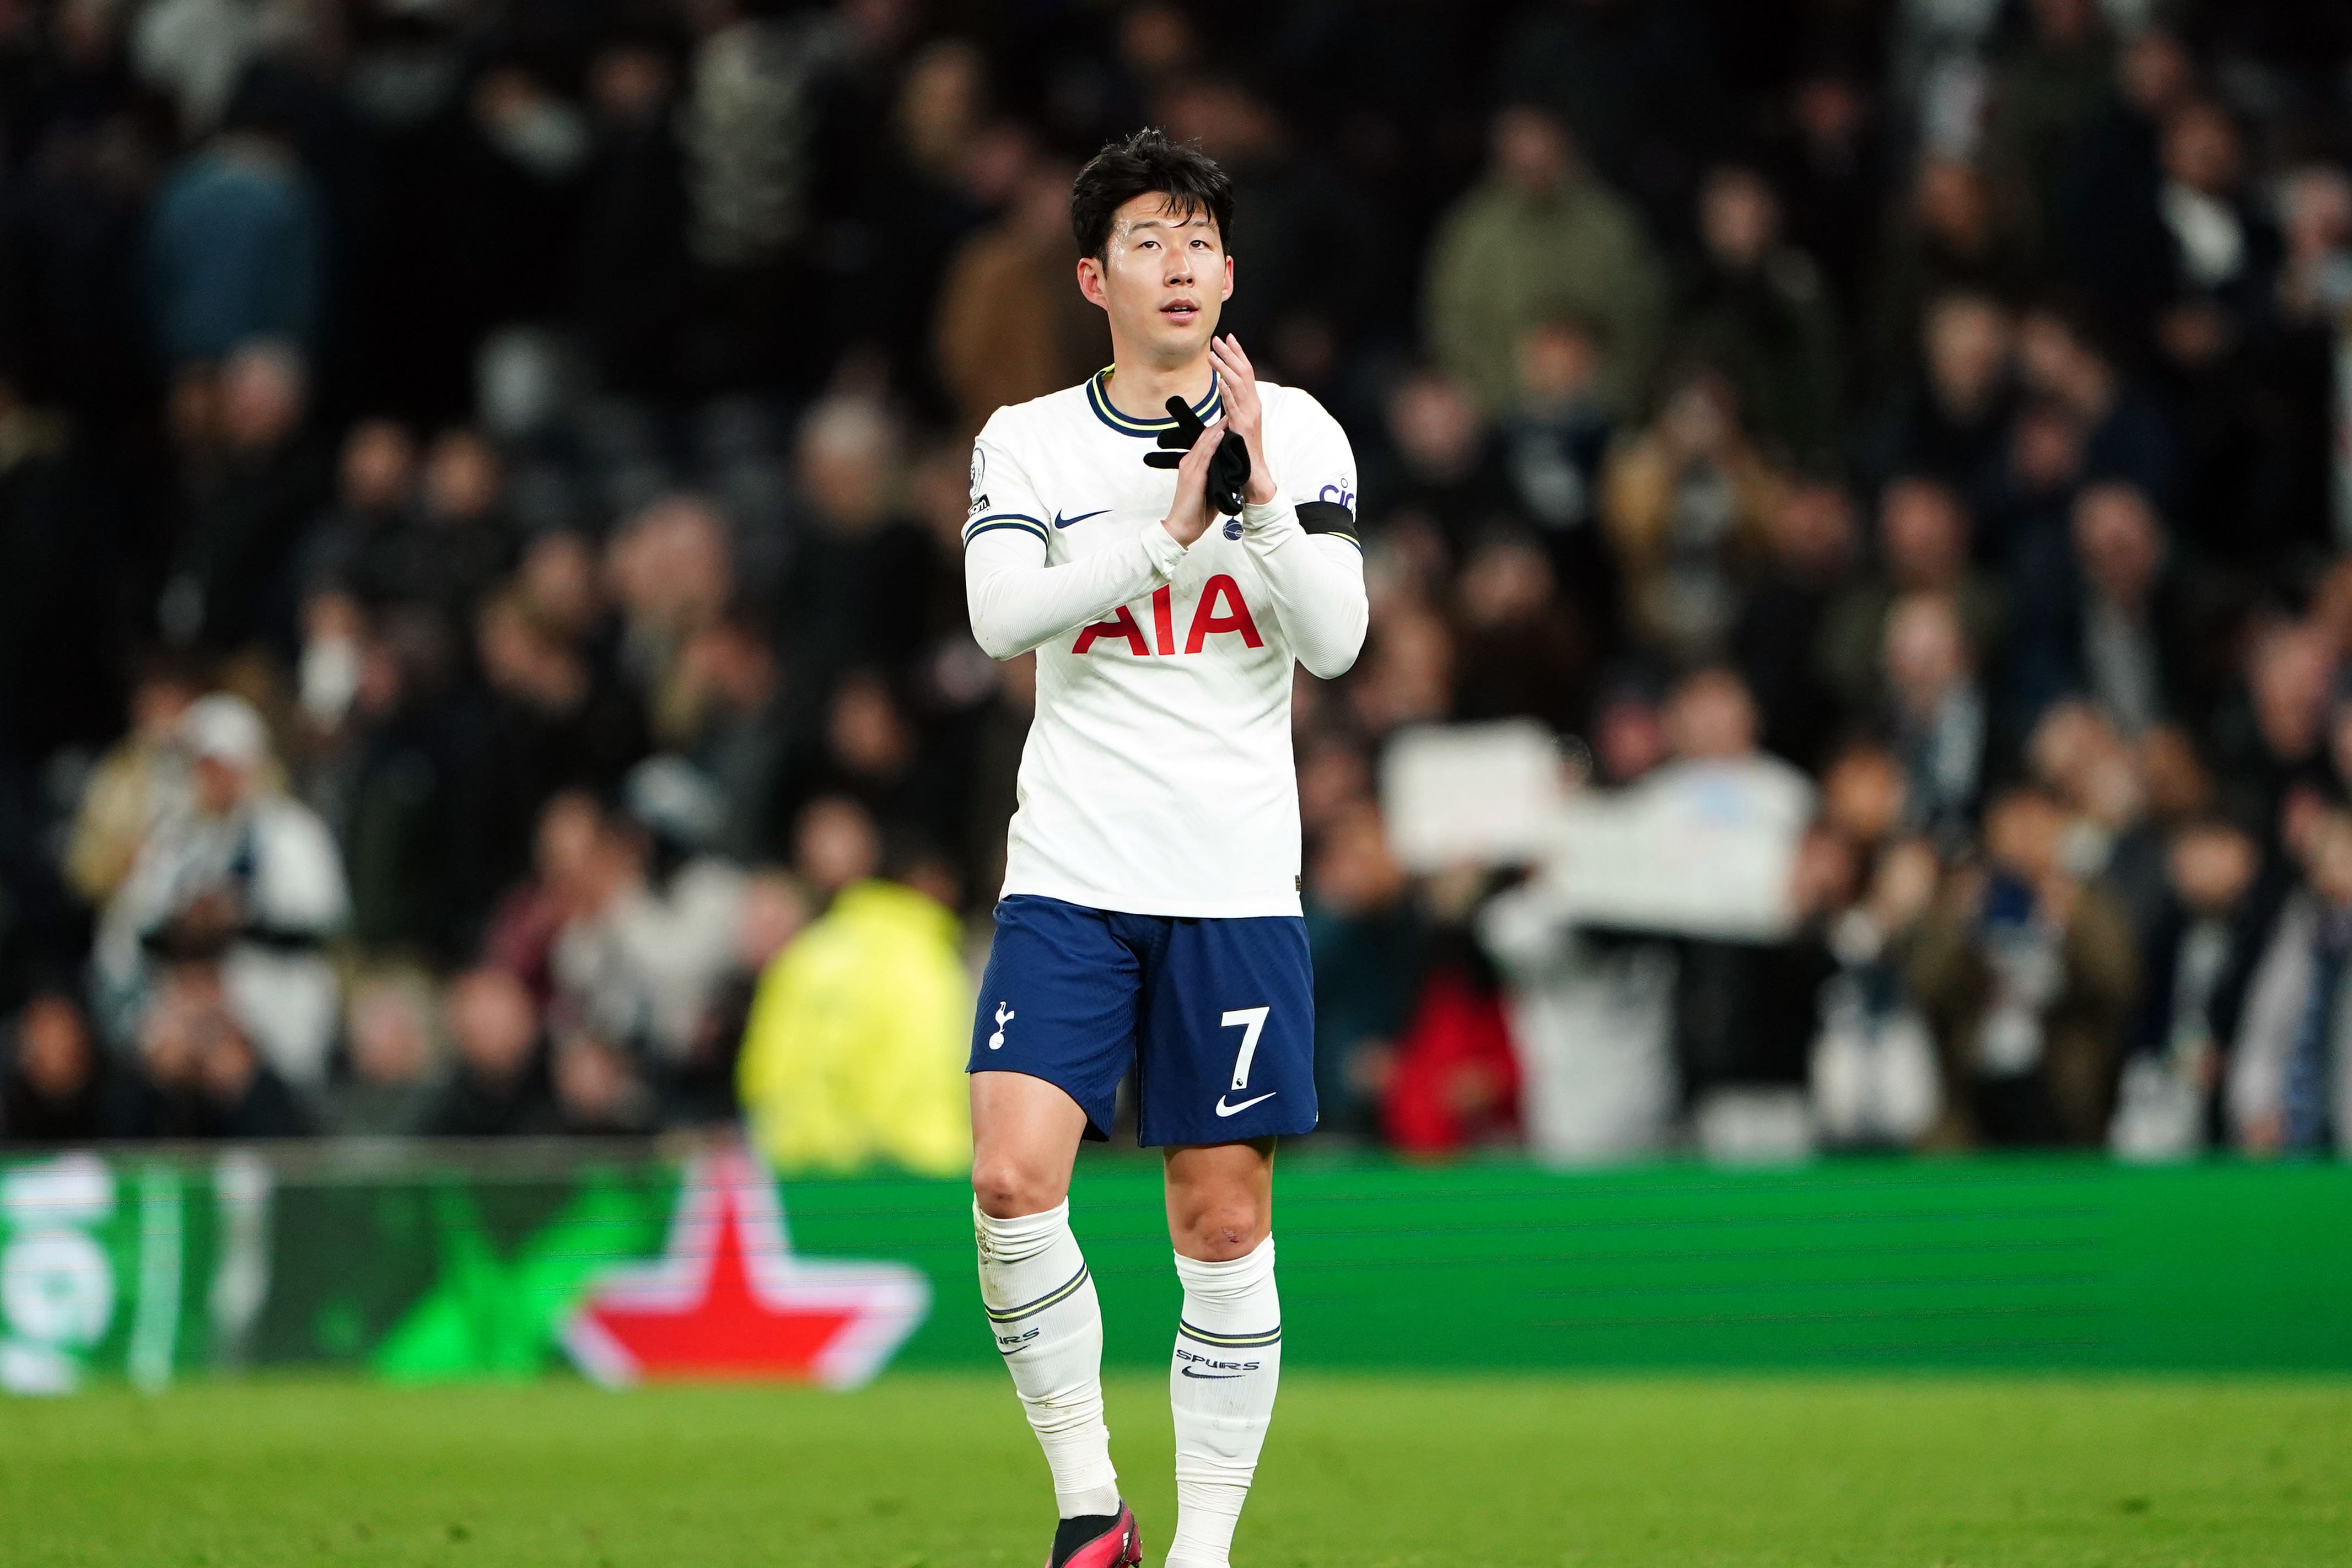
column 482, row 634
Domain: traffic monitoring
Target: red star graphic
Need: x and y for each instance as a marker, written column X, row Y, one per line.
column 728, row 1299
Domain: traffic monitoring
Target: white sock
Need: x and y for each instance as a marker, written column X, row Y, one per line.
column 1048, row 1327
column 1221, row 1384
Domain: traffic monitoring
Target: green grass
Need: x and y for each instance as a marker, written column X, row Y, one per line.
column 939, row 1470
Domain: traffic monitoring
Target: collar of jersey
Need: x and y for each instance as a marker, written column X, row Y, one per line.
column 1212, row 404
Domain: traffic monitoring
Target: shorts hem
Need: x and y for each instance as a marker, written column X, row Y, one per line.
column 1282, row 906
column 1096, row 1132
column 1227, row 1135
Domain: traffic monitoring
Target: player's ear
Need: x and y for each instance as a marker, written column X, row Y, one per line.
column 1090, row 281
column 1228, row 294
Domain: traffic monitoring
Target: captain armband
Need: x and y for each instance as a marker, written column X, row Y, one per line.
column 1329, row 518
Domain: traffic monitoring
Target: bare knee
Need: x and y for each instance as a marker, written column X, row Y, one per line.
column 1217, row 1230
column 1025, row 1135
column 1006, row 1189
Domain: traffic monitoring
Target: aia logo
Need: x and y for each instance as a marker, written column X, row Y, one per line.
column 1219, row 609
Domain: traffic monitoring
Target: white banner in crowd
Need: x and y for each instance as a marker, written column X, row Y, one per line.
column 1473, row 794
column 1653, row 860
column 1695, row 852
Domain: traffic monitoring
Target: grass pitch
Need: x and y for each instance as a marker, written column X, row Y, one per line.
column 939, row 1470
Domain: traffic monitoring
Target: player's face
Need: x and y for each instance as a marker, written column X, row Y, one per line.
column 1163, row 278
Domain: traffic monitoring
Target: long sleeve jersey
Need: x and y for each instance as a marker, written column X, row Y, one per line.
column 1158, row 777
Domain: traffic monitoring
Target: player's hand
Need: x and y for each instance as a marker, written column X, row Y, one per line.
column 1190, row 516
column 1228, row 470
column 1244, row 414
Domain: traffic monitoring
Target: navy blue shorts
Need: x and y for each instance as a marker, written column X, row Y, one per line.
column 1218, row 1015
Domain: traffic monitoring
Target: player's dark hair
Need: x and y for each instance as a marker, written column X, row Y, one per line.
column 1139, row 165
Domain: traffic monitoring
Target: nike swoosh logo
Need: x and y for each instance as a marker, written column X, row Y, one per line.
column 1225, row 1110
column 1061, row 522
column 1212, row 1376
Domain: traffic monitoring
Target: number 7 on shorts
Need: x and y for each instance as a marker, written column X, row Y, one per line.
column 1251, row 1022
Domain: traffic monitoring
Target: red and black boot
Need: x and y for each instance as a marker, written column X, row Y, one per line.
column 1097, row 1540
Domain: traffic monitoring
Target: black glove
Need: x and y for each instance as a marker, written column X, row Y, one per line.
column 1229, row 470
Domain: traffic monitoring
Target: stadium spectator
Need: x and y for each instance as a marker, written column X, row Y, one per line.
column 757, row 105
column 2108, row 238
column 1635, row 83
column 2315, row 280
column 1757, row 307
column 1937, row 714
column 1865, row 798
column 857, row 1036
column 1712, row 731
column 2289, row 1088
column 250, row 483
column 1810, row 549
column 1947, row 239
column 498, row 1084
column 861, row 579
column 1522, row 653
column 1948, row 420
column 1441, row 482
column 463, row 511
column 939, row 163
column 1011, row 328
column 873, row 753
column 1290, row 212
column 1923, row 548
column 2194, row 962
column 1830, row 156
column 2048, row 85
column 2124, row 434
column 1687, row 503
column 2270, row 737
column 2026, row 976
column 1629, row 729
column 834, row 845
column 2107, row 624
column 698, row 1088
column 242, row 1096
column 1368, row 939
column 1592, row 1017
column 2091, row 769
column 198, row 1073
column 671, row 572
column 639, row 961
column 740, row 731
column 635, row 277
column 1454, row 1081
column 237, row 248
column 367, row 544
column 241, row 875
column 155, row 1096
column 599, row 1089
column 1551, row 439
column 2223, row 251
column 1875, row 1081
column 1735, row 1067
column 567, row 871
column 1542, row 237
column 55, row 1087
column 1748, row 1016
column 142, row 780
column 543, row 719
column 391, row 1057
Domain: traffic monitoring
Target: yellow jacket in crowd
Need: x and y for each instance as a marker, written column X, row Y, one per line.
column 856, row 1047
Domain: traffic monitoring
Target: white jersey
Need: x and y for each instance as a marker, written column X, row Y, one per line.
column 1158, row 776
